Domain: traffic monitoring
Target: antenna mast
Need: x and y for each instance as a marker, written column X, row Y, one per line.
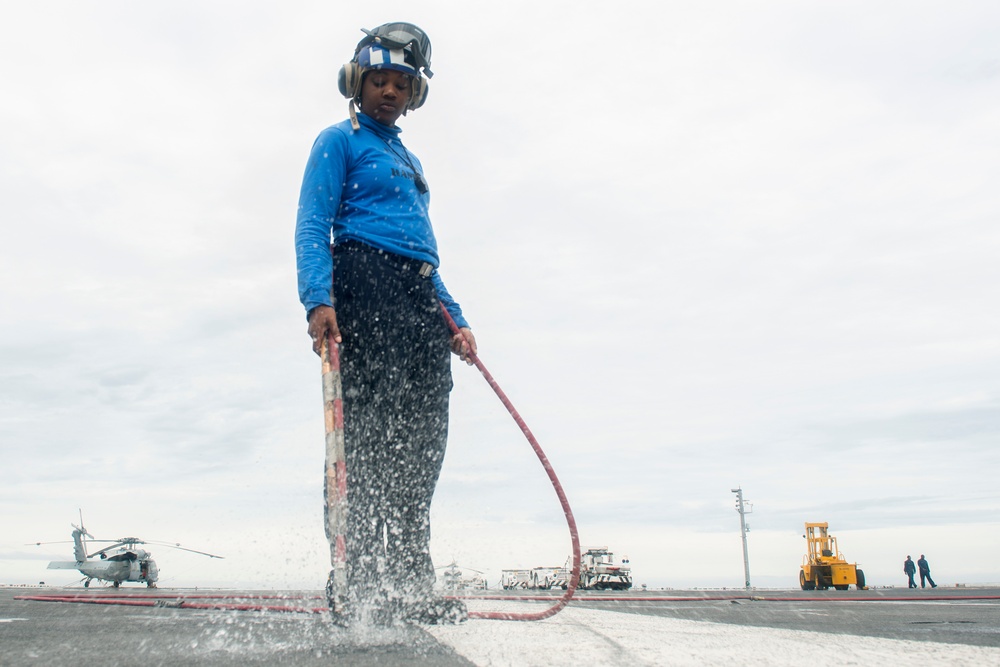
column 744, row 508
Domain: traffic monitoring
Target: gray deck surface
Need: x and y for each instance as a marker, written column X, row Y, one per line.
column 885, row 626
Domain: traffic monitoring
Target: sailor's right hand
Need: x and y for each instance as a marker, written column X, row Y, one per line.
column 323, row 322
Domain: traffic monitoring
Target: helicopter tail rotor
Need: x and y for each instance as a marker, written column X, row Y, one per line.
column 83, row 530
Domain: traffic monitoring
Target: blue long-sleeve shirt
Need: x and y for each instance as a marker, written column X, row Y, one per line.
column 361, row 185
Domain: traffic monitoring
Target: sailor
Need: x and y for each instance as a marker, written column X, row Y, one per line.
column 925, row 572
column 910, row 569
column 366, row 191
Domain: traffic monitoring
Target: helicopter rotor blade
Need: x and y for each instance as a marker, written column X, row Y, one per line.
column 178, row 546
column 35, row 544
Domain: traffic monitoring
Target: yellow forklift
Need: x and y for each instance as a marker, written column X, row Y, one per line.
column 823, row 566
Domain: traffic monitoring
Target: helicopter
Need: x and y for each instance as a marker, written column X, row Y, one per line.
column 453, row 578
column 123, row 560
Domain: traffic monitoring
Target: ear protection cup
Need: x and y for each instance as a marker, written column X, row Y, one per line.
column 419, row 93
column 349, row 80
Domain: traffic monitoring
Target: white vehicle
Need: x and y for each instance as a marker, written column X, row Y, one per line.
column 599, row 572
column 514, row 579
column 544, row 578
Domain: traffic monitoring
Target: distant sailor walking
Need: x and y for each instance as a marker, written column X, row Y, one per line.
column 378, row 294
column 910, row 569
column 925, row 573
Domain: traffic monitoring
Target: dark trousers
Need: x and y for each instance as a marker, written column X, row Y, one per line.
column 913, row 584
column 926, row 575
column 396, row 376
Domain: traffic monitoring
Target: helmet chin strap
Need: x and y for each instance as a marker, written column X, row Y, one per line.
column 352, row 112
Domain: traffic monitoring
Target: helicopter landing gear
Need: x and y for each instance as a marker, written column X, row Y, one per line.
column 86, row 584
column 116, row 584
column 150, row 584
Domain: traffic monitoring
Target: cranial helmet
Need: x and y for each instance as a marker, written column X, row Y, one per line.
column 397, row 46
column 376, row 56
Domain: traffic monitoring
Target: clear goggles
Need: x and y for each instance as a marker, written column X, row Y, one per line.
column 401, row 36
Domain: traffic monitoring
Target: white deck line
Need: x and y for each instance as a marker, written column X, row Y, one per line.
column 591, row 637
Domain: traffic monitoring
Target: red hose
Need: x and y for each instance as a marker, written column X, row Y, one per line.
column 574, row 579
column 182, row 601
column 172, row 602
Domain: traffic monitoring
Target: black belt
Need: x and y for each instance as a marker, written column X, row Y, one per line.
column 422, row 269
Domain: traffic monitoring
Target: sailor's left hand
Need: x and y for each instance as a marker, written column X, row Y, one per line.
column 464, row 345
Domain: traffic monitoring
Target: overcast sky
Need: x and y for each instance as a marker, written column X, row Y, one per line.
column 702, row 245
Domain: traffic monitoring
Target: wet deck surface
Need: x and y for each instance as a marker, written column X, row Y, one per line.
column 878, row 627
